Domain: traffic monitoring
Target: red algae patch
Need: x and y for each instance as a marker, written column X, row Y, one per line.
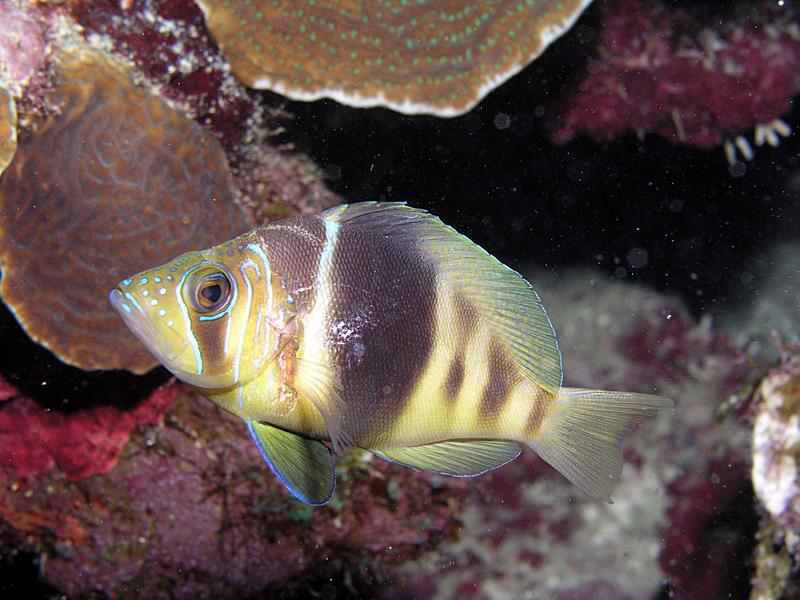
column 86, row 442
column 439, row 58
column 117, row 182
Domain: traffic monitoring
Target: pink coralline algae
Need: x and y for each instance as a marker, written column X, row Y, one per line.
column 34, row 440
column 22, row 53
column 528, row 534
column 22, row 46
column 692, row 79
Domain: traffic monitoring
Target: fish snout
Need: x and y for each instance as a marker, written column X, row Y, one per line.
column 163, row 342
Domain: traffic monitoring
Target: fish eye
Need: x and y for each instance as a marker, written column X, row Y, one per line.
column 212, row 292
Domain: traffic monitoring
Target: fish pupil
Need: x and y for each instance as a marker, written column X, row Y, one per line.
column 212, row 293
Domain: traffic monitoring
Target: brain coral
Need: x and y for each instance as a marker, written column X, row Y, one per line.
column 8, row 128
column 117, row 182
column 414, row 57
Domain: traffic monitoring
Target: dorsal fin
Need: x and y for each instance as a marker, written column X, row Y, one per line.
column 500, row 295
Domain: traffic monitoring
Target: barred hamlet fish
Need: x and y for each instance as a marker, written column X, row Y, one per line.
column 376, row 326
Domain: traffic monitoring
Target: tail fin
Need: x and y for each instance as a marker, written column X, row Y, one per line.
column 581, row 436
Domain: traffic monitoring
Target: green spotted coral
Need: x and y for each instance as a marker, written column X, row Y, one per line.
column 414, row 56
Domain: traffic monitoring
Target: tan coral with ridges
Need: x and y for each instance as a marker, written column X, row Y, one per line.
column 8, row 128
column 118, row 182
column 439, row 57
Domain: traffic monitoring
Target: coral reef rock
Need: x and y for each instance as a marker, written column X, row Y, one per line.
column 414, row 57
column 117, row 182
column 22, row 45
column 776, row 479
column 276, row 184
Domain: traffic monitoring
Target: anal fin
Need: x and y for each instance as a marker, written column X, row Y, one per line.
column 458, row 458
column 303, row 465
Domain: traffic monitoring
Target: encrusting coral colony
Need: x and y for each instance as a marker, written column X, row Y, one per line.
column 130, row 132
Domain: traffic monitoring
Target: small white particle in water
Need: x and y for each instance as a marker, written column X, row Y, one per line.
column 502, row 121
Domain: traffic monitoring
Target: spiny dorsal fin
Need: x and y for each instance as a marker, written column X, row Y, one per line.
column 456, row 458
column 303, row 465
column 501, row 296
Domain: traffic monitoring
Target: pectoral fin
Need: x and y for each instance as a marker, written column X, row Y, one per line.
column 303, row 465
column 316, row 383
column 455, row 458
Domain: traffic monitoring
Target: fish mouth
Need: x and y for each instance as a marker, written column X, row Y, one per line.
column 166, row 348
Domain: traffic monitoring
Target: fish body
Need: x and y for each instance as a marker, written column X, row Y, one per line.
column 376, row 326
